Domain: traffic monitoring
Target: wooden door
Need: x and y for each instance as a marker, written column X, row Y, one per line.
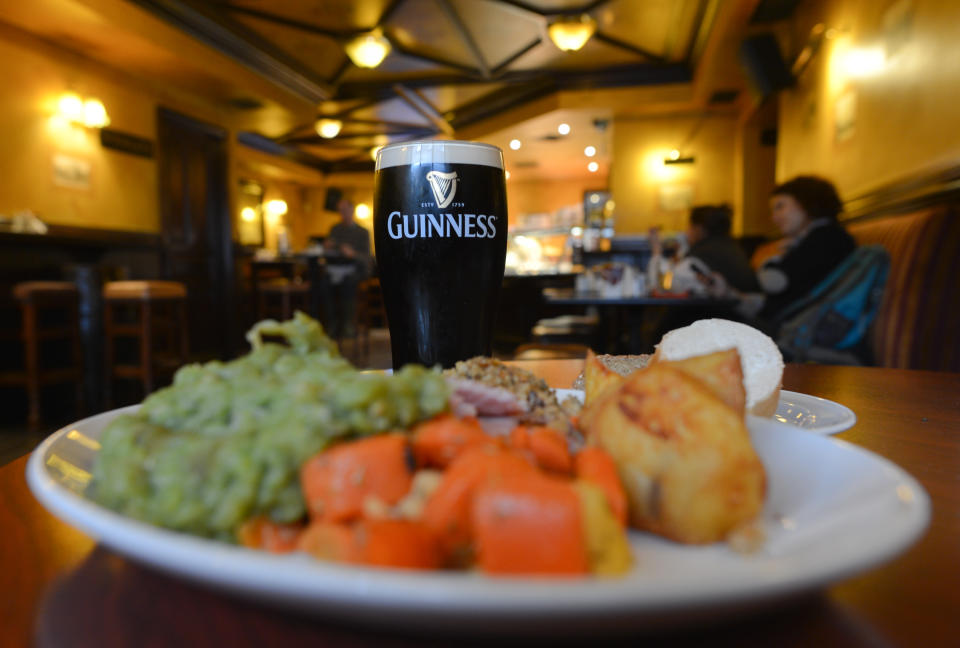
column 197, row 245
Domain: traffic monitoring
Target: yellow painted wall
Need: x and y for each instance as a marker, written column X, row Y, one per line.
column 122, row 193
column 638, row 172
column 123, row 188
column 905, row 116
column 526, row 197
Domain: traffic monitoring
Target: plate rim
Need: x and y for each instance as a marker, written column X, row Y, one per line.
column 442, row 594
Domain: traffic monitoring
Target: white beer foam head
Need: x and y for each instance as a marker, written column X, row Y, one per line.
column 439, row 152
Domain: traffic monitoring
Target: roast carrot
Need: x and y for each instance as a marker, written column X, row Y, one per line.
column 529, row 524
column 382, row 542
column 448, row 510
column 263, row 533
column 396, row 543
column 547, row 446
column 594, row 465
column 437, row 442
column 329, row 541
column 336, row 481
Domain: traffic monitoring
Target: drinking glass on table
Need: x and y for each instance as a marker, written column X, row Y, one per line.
column 440, row 231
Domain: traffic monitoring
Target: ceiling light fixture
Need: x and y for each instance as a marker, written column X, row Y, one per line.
column 362, row 211
column 592, row 167
column 570, row 33
column 563, row 129
column 368, row 50
column 328, row 128
column 590, row 151
column 515, row 144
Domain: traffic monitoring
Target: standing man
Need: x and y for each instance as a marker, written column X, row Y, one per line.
column 348, row 261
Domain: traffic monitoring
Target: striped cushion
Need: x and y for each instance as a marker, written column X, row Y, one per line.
column 918, row 325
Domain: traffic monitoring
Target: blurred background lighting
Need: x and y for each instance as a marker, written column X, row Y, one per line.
column 328, row 128
column 563, row 129
column 572, row 33
column 592, row 167
column 515, row 144
column 368, row 50
column 590, row 151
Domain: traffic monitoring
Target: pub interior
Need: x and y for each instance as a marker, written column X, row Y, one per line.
column 202, row 150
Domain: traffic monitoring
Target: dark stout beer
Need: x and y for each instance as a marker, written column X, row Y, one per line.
column 440, row 230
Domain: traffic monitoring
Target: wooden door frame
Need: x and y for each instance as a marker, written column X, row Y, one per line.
column 218, row 214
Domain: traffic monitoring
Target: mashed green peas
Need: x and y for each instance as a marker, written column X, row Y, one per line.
column 226, row 441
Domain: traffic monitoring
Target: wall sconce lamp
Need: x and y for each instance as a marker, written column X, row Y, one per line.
column 275, row 209
column 674, row 157
column 368, row 50
column 571, row 33
column 89, row 112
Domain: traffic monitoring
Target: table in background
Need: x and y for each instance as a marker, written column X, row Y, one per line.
column 622, row 315
column 59, row 589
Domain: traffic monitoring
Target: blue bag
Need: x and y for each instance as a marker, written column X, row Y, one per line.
column 836, row 315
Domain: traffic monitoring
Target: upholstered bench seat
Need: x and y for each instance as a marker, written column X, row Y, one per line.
column 918, row 324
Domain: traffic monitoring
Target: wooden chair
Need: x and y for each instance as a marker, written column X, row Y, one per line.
column 49, row 313
column 154, row 314
column 370, row 313
column 278, row 298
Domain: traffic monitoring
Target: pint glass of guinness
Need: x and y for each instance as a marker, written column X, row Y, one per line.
column 440, row 229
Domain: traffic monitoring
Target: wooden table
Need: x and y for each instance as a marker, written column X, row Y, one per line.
column 59, row 589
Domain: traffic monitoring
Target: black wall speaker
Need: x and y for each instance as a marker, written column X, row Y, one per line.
column 764, row 65
column 332, row 199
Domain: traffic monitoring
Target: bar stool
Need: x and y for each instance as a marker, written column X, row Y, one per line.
column 278, row 298
column 154, row 314
column 49, row 313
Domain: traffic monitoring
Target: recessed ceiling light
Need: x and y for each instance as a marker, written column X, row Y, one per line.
column 590, row 151
column 515, row 144
column 592, row 167
column 563, row 129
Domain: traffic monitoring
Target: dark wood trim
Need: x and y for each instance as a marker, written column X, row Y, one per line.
column 913, row 192
column 629, row 47
column 266, row 145
column 502, row 65
column 638, row 74
column 266, row 16
column 241, row 44
column 69, row 235
column 467, row 37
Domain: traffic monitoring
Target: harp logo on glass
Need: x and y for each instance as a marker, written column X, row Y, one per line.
column 444, row 186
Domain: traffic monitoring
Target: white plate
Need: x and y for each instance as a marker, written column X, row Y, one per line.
column 813, row 414
column 833, row 510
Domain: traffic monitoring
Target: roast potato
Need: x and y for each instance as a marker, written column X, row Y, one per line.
column 683, row 454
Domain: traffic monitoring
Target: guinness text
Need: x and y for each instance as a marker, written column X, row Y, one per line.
column 441, row 225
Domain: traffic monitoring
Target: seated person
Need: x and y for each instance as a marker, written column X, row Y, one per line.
column 805, row 209
column 348, row 261
column 711, row 250
column 708, row 235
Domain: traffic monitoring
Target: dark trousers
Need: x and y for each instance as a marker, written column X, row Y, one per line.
column 339, row 306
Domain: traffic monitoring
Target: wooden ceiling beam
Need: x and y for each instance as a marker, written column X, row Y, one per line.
column 608, row 77
column 419, row 103
column 429, row 58
column 505, row 63
column 231, row 38
column 266, row 16
column 630, row 47
column 466, row 36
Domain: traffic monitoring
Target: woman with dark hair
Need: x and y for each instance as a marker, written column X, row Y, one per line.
column 805, row 209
